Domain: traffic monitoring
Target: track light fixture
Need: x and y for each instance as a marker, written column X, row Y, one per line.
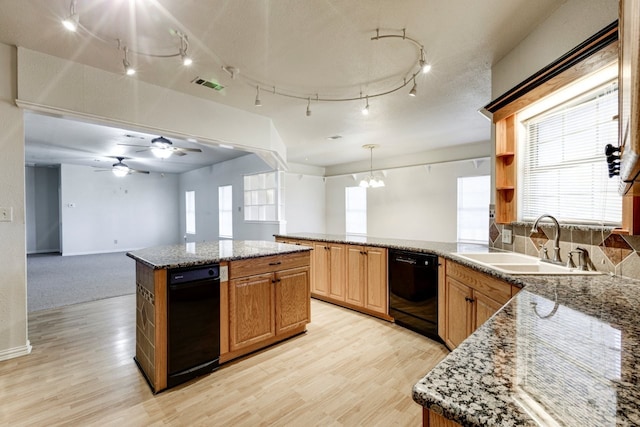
column 71, row 22
column 365, row 110
column 258, row 103
column 420, row 66
column 184, row 46
column 309, row 107
column 414, row 89
column 128, row 69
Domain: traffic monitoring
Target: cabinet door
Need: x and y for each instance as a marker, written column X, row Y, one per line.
column 355, row 275
column 321, row 269
column 459, row 312
column 292, row 299
column 485, row 308
column 337, row 273
column 251, row 310
column 376, row 279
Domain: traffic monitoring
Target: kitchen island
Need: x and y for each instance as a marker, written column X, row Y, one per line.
column 263, row 298
column 565, row 350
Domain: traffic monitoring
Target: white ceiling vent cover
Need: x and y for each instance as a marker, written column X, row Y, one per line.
column 207, row 83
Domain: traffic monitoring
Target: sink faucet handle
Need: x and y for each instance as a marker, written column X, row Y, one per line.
column 570, row 263
column 583, row 256
column 545, row 254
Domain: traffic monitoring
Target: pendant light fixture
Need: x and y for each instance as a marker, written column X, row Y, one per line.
column 370, row 181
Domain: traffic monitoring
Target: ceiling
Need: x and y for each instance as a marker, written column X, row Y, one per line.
column 304, row 48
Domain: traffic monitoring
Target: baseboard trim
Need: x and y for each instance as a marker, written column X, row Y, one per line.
column 15, row 352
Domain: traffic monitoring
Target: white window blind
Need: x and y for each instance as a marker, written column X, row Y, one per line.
column 355, row 210
column 474, row 194
column 564, row 168
column 225, row 211
column 190, row 212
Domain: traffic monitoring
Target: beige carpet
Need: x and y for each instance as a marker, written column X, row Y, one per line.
column 55, row 281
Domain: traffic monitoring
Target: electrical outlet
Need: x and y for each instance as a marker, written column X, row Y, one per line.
column 507, row 236
column 6, row 214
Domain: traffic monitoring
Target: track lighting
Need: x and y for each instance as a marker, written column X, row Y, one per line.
column 71, row 22
column 184, row 45
column 365, row 110
column 258, row 103
column 309, row 107
column 414, row 89
column 128, row 69
column 424, row 67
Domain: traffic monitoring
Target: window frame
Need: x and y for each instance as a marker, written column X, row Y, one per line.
column 255, row 186
column 221, row 211
column 361, row 211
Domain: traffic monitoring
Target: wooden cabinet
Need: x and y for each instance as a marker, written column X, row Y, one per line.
column 251, row 310
column 367, row 278
column 471, row 298
column 268, row 301
column 329, row 270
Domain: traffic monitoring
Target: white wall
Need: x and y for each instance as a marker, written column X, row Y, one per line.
column 13, row 291
column 137, row 210
column 304, row 203
column 42, row 189
column 417, row 203
column 205, row 182
column 571, row 24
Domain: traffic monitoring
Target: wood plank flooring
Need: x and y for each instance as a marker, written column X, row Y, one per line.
column 349, row 369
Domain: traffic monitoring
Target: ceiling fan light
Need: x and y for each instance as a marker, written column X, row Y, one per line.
column 120, row 170
column 161, row 153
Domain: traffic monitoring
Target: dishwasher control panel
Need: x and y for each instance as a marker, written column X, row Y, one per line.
column 194, row 274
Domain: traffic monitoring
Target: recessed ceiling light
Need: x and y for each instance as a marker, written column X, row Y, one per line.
column 334, row 137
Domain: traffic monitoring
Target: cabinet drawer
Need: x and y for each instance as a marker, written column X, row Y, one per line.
column 267, row 264
column 494, row 288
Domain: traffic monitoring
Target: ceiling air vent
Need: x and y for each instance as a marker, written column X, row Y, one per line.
column 207, row 83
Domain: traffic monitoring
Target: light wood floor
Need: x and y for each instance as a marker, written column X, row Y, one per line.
column 347, row 370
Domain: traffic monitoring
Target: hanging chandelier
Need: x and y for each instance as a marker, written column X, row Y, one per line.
column 371, row 181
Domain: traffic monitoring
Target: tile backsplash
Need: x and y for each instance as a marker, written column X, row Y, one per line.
column 609, row 253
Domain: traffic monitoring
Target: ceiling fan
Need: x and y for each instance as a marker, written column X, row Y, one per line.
column 121, row 169
column 163, row 148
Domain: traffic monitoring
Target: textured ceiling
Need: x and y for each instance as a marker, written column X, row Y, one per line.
column 304, row 48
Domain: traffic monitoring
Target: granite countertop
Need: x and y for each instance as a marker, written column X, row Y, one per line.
column 564, row 351
column 193, row 254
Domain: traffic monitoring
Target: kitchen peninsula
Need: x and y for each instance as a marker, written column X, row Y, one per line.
column 564, row 350
column 263, row 298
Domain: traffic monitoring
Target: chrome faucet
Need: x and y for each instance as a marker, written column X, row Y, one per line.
column 556, row 239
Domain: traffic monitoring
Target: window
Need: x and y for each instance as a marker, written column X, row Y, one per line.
column 474, row 193
column 263, row 197
column 190, row 212
column 356, row 210
column 225, row 211
column 564, row 172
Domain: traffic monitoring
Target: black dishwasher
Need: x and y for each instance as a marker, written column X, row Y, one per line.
column 193, row 322
column 413, row 291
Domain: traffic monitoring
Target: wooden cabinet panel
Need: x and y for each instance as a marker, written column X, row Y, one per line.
column 490, row 286
column 321, row 270
column 292, row 299
column 459, row 312
column 376, row 279
column 485, row 308
column 251, row 266
column 337, row 271
column 442, row 276
column 251, row 310
column 355, row 276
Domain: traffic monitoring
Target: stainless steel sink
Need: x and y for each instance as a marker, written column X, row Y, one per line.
column 516, row 263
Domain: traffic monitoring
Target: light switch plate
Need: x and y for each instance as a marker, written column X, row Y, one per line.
column 6, row 214
column 507, row 236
